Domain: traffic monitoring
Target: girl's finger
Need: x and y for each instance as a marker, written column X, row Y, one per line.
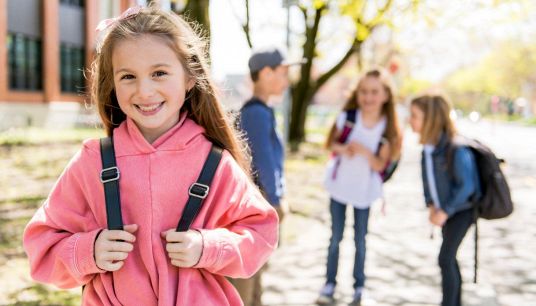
column 118, row 246
column 120, row 235
column 115, row 256
column 175, row 247
column 177, row 256
column 173, row 236
column 131, row 228
column 114, row 266
column 181, row 263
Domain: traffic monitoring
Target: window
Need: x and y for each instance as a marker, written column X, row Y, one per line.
column 71, row 68
column 72, row 46
column 25, row 69
column 79, row 3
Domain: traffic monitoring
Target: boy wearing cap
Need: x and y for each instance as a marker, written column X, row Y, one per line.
column 268, row 70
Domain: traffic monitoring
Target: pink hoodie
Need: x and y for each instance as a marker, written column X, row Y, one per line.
column 238, row 226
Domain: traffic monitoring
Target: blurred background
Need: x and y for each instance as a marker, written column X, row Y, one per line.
column 481, row 54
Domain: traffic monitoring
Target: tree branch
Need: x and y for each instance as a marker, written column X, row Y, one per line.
column 245, row 26
column 381, row 12
column 327, row 75
column 313, row 31
column 310, row 43
column 303, row 9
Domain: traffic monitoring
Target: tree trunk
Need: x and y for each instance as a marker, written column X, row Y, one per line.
column 305, row 90
column 301, row 92
column 197, row 10
column 301, row 98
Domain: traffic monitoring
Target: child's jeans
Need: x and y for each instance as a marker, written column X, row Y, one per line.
column 453, row 232
column 338, row 216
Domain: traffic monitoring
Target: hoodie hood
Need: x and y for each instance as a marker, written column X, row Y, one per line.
column 177, row 138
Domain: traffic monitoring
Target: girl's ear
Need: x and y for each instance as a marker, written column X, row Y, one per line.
column 190, row 84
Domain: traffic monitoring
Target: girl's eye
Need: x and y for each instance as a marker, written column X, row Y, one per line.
column 159, row 73
column 127, row 77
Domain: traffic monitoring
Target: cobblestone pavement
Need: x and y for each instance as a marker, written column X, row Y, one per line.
column 401, row 260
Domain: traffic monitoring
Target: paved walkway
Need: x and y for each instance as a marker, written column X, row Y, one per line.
column 401, row 260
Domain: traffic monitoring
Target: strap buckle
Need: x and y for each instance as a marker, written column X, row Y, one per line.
column 109, row 174
column 198, row 190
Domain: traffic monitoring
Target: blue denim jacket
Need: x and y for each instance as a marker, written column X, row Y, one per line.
column 456, row 187
column 257, row 121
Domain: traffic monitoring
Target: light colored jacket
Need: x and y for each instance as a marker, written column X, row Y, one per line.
column 238, row 226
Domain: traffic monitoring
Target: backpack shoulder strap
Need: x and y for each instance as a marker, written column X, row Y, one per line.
column 351, row 118
column 109, row 177
column 475, row 266
column 452, row 146
column 198, row 191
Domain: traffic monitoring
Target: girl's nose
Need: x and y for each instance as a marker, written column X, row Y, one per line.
column 145, row 89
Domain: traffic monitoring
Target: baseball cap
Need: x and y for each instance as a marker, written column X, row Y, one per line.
column 270, row 57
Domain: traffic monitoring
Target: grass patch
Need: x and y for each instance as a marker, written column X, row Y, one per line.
column 26, row 201
column 531, row 121
column 41, row 295
column 514, row 118
column 11, row 235
column 37, row 136
column 41, row 168
column 41, row 161
column 309, row 153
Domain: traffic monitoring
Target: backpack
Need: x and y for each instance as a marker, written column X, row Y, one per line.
column 495, row 201
column 351, row 119
column 198, row 191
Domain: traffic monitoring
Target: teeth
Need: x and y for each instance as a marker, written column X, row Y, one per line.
column 148, row 108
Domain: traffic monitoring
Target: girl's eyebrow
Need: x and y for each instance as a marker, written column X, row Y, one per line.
column 121, row 70
column 152, row 67
column 160, row 65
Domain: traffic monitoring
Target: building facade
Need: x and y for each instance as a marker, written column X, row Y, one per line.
column 47, row 46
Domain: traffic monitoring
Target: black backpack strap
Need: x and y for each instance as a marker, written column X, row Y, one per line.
column 199, row 190
column 349, row 124
column 475, row 220
column 351, row 116
column 109, row 177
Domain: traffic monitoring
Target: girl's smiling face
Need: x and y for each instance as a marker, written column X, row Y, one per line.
column 371, row 94
column 150, row 84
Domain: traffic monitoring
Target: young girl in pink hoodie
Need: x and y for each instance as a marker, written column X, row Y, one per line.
column 154, row 95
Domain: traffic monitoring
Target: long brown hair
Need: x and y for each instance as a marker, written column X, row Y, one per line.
column 392, row 130
column 203, row 105
column 437, row 120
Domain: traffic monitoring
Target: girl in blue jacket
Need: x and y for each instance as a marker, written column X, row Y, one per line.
column 450, row 181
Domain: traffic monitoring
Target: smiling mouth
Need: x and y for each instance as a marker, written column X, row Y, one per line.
column 149, row 109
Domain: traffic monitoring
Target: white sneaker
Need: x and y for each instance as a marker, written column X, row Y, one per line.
column 358, row 294
column 326, row 295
